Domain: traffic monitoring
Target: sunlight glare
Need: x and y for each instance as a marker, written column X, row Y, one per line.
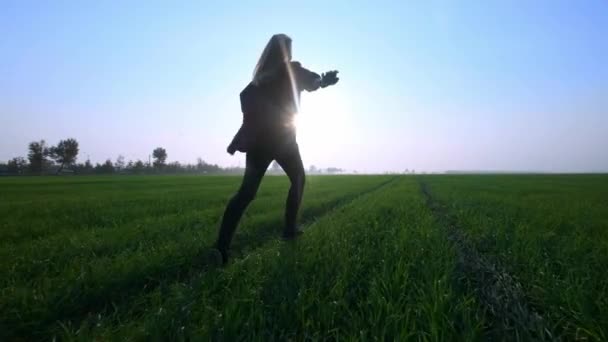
column 323, row 124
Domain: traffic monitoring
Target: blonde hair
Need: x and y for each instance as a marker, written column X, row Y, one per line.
column 276, row 53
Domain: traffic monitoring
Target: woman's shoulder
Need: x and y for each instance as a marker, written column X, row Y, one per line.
column 296, row 64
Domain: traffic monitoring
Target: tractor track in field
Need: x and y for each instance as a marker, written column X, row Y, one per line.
column 500, row 294
column 183, row 273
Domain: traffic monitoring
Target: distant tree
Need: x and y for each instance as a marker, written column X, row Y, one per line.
column 16, row 165
column 84, row 168
column 214, row 168
column 334, row 170
column 204, row 167
column 174, row 167
column 64, row 153
column 200, row 164
column 37, row 156
column 139, row 166
column 105, row 168
column 312, row 169
column 160, row 156
column 119, row 165
column 88, row 167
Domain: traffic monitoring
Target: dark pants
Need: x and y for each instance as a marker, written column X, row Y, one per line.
column 258, row 161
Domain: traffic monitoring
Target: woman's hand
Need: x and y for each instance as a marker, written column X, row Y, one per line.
column 329, row 78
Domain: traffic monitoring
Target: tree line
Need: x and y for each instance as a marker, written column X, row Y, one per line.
column 62, row 159
column 43, row 159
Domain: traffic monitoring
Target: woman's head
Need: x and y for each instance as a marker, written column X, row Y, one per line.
column 276, row 53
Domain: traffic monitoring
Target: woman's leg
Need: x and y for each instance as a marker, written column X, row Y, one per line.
column 291, row 162
column 256, row 166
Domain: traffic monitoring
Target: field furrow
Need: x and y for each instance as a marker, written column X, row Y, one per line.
column 512, row 317
column 549, row 232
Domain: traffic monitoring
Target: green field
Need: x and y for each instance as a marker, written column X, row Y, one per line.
column 492, row 257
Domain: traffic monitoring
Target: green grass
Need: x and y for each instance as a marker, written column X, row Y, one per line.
column 124, row 258
column 80, row 245
column 550, row 232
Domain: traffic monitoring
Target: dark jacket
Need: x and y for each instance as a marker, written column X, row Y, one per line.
column 269, row 108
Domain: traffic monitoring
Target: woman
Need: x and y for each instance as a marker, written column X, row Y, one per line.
column 269, row 104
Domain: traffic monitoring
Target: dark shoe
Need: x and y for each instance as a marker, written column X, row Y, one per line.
column 221, row 254
column 292, row 235
column 214, row 258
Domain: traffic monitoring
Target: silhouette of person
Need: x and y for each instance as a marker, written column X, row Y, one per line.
column 269, row 103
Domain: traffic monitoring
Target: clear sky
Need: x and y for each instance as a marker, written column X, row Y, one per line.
column 425, row 85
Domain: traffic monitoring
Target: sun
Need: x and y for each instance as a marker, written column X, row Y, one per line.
column 322, row 124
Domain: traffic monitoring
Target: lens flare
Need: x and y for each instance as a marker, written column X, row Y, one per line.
column 292, row 79
column 324, row 126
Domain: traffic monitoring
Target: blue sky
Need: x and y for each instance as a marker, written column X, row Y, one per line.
column 425, row 85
